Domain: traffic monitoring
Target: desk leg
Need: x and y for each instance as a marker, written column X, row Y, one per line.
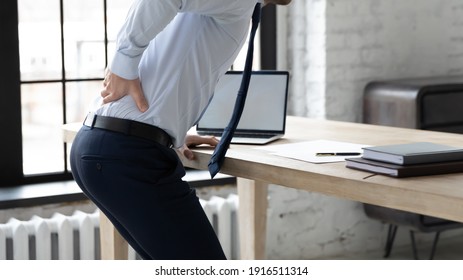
column 113, row 245
column 252, row 218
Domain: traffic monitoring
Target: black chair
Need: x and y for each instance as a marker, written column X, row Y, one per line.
column 413, row 222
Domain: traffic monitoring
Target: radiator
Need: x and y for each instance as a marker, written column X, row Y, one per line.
column 76, row 237
column 223, row 215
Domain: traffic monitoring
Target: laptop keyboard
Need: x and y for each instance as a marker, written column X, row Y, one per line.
column 245, row 135
column 253, row 135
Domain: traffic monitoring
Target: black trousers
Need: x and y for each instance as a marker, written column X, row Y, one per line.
column 138, row 185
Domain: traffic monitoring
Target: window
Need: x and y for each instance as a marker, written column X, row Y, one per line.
column 57, row 51
column 63, row 47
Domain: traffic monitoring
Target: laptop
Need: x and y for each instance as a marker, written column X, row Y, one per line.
column 264, row 116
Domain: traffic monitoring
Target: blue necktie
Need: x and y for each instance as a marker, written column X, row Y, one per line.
column 219, row 153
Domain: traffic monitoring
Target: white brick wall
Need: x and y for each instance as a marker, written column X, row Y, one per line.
column 336, row 46
column 306, row 37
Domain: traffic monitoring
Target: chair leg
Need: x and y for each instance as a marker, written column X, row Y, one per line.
column 390, row 240
column 415, row 251
column 434, row 245
column 433, row 249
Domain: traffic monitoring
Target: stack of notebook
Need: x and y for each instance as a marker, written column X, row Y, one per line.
column 412, row 159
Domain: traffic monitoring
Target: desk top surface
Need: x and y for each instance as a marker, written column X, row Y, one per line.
column 440, row 195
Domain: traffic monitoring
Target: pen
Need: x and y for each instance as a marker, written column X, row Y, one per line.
column 337, row 154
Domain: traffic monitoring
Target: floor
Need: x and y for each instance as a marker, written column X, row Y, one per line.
column 447, row 249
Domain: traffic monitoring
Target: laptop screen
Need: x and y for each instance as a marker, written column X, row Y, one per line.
column 265, row 107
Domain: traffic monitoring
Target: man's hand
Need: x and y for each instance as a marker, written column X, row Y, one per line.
column 116, row 87
column 195, row 140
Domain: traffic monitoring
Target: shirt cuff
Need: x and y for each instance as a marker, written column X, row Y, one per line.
column 125, row 66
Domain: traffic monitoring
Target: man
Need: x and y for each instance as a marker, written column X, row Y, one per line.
column 170, row 55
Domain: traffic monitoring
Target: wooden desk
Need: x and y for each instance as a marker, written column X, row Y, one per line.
column 440, row 196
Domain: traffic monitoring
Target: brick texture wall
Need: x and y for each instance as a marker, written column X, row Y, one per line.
column 335, row 47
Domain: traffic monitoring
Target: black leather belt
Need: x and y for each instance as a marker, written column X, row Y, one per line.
column 129, row 127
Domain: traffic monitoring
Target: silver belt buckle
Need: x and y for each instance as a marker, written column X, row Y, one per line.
column 90, row 119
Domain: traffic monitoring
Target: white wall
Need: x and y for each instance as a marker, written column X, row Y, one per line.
column 372, row 39
column 333, row 48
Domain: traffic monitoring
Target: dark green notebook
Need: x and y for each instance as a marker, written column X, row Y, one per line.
column 413, row 153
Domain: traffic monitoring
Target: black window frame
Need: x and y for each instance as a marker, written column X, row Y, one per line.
column 11, row 152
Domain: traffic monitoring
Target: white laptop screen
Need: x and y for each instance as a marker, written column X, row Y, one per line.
column 265, row 107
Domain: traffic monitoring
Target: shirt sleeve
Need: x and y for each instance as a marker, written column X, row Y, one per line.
column 146, row 18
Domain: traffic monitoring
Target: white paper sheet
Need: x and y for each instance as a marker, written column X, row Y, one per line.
column 307, row 151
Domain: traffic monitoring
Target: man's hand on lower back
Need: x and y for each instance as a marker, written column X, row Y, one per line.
column 116, row 87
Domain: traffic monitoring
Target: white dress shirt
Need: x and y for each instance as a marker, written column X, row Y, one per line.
column 179, row 49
